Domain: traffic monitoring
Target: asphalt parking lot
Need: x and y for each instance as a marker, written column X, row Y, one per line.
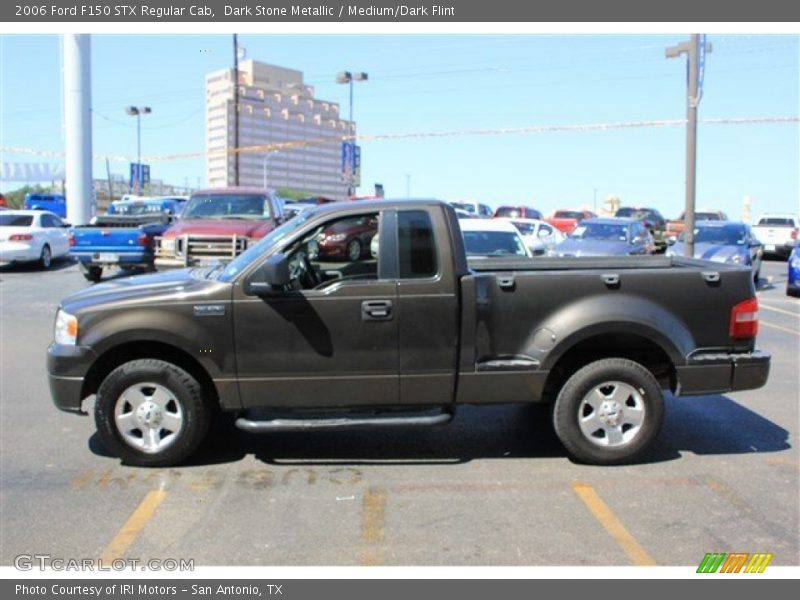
column 492, row 488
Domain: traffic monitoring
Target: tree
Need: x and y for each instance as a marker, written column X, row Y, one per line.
column 15, row 198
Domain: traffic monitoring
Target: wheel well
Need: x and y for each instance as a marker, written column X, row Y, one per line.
column 118, row 355
column 612, row 345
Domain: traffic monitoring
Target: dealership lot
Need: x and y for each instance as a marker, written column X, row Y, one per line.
column 493, row 488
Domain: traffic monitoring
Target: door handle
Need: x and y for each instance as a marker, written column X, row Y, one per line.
column 376, row 310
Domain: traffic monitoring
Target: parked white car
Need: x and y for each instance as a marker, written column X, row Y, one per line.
column 539, row 236
column 778, row 233
column 492, row 237
column 31, row 236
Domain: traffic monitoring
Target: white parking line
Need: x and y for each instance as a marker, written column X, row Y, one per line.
column 770, row 325
column 778, row 310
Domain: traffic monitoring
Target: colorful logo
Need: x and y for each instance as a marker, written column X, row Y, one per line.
column 734, row 562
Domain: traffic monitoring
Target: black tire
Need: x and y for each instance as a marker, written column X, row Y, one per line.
column 578, row 387
column 185, row 389
column 353, row 250
column 46, row 257
column 93, row 274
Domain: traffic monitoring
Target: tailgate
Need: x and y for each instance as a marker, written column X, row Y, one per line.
column 774, row 234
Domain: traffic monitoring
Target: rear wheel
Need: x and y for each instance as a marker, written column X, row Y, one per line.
column 609, row 412
column 151, row 413
column 93, row 274
column 46, row 257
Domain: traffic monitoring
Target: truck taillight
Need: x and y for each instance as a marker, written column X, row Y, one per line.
column 71, row 240
column 20, row 237
column 794, row 234
column 142, row 239
column 744, row 320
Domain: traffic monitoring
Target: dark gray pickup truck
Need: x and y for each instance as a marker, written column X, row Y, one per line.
column 290, row 340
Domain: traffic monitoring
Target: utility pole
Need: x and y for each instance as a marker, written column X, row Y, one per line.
column 695, row 50
column 235, row 109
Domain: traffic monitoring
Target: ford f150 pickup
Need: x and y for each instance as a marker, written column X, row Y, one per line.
column 290, row 342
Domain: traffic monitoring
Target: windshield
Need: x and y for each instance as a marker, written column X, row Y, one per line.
column 525, row 228
column 568, row 214
column 777, row 221
column 493, row 243
column 607, row 232
column 732, row 235
column 238, row 264
column 634, row 213
column 227, row 206
column 15, row 220
column 463, row 206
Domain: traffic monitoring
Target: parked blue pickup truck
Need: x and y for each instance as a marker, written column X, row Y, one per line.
column 124, row 237
column 54, row 203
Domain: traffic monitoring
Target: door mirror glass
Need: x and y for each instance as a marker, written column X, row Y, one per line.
column 276, row 271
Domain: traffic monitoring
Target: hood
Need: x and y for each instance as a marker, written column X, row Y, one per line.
column 572, row 247
column 715, row 252
column 255, row 229
column 143, row 289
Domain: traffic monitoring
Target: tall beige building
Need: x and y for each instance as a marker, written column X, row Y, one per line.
column 275, row 107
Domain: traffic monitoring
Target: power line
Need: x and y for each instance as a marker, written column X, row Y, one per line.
column 532, row 129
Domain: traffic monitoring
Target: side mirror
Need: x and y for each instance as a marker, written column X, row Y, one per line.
column 273, row 274
column 312, row 249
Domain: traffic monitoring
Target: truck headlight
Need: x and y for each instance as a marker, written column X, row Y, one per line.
column 66, row 329
column 736, row 259
column 168, row 245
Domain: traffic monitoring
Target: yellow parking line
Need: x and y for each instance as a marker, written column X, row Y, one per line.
column 778, row 310
column 763, row 322
column 373, row 517
column 612, row 525
column 132, row 526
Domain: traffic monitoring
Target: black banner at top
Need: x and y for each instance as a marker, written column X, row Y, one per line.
column 421, row 11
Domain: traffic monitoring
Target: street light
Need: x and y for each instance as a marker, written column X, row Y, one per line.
column 264, row 167
column 349, row 78
column 138, row 111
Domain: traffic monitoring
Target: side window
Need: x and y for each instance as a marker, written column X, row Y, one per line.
column 416, row 245
column 47, row 221
column 343, row 249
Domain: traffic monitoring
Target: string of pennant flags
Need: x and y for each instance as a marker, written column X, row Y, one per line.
column 532, row 129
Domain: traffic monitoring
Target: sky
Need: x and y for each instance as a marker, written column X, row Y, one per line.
column 440, row 83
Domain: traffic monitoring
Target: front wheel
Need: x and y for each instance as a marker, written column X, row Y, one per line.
column 609, row 412
column 151, row 413
column 353, row 250
column 93, row 274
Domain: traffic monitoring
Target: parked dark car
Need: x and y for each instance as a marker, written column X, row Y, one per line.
column 289, row 344
column 348, row 239
column 606, row 237
column 652, row 219
column 517, row 212
column 725, row 242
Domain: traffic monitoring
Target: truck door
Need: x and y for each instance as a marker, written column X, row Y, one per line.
column 428, row 308
column 330, row 341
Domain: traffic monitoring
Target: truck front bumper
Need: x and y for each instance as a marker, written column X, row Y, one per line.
column 66, row 368
column 715, row 372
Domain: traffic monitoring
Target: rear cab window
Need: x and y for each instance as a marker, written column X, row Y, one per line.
column 416, row 245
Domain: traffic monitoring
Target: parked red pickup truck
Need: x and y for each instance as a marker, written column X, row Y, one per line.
column 218, row 224
column 567, row 220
